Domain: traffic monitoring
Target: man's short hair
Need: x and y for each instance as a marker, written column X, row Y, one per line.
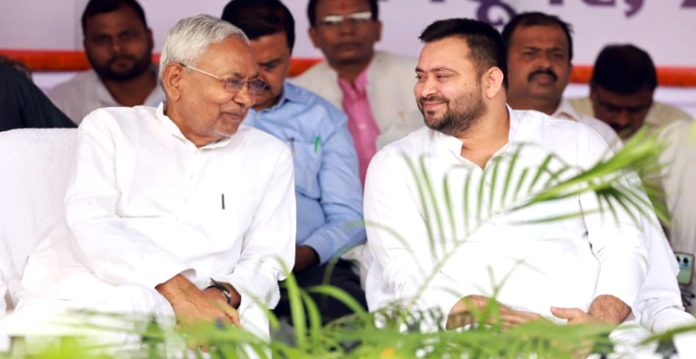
column 526, row 19
column 191, row 36
column 624, row 69
column 259, row 18
column 312, row 10
column 96, row 7
column 484, row 41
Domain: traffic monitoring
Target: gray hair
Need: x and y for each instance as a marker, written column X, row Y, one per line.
column 191, row 36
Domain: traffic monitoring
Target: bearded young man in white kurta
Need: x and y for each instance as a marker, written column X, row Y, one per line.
column 165, row 199
column 586, row 268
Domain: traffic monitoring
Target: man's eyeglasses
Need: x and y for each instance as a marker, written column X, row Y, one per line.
column 354, row 18
column 234, row 85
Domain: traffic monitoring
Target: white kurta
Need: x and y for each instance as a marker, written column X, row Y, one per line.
column 564, row 263
column 567, row 112
column 85, row 92
column 659, row 295
column 146, row 204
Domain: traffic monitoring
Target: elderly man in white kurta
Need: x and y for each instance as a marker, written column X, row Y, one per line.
column 588, row 267
column 175, row 210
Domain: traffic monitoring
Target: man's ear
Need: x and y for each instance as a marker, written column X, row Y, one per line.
column 150, row 38
column 492, row 82
column 312, row 31
column 172, row 81
column 378, row 31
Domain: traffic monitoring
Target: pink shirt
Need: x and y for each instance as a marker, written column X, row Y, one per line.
column 361, row 124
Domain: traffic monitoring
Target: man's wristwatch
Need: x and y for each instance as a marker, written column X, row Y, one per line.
column 225, row 291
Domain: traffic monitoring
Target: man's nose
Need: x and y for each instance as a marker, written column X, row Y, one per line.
column 115, row 45
column 544, row 61
column 346, row 26
column 425, row 88
column 244, row 97
column 622, row 118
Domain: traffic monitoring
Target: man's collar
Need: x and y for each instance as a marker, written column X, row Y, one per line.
column 175, row 131
column 566, row 111
column 289, row 94
column 454, row 144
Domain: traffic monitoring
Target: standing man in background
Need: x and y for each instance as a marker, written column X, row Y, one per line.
column 372, row 87
column 118, row 45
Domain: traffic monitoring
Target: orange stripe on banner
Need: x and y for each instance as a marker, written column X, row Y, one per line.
column 56, row 61
column 666, row 76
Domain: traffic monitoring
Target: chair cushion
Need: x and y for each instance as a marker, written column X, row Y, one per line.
column 36, row 165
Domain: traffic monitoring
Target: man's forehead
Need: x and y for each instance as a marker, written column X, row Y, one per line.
column 540, row 36
column 230, row 55
column 642, row 97
column 330, row 7
column 123, row 17
column 271, row 47
column 447, row 53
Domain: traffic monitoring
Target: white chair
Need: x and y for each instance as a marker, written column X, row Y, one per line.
column 35, row 166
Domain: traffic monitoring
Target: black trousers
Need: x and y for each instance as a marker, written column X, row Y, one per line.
column 342, row 277
column 23, row 105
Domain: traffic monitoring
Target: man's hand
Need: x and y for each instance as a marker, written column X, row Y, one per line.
column 604, row 309
column 194, row 306
column 573, row 315
column 305, row 257
column 461, row 313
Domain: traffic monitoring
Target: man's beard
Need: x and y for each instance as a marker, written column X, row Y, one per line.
column 139, row 67
column 458, row 118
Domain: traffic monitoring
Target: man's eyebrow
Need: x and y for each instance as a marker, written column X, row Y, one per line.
column 236, row 74
column 436, row 69
column 270, row 62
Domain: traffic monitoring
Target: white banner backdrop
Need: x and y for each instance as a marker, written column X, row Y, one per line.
column 665, row 28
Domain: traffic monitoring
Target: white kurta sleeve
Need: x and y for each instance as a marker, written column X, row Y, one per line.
column 617, row 241
column 398, row 238
column 269, row 240
column 101, row 240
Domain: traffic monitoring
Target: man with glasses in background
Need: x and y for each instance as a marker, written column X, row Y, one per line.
column 372, row 87
column 327, row 186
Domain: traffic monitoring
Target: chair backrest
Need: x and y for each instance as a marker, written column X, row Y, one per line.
column 35, row 166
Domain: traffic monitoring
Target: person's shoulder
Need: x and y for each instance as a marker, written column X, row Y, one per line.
column 582, row 105
column 412, row 144
column 76, row 85
column 315, row 102
column 601, row 127
column 542, row 128
column 395, row 59
column 317, row 72
column 258, row 140
column 387, row 61
column 393, row 159
column 119, row 117
column 662, row 114
column 572, row 141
